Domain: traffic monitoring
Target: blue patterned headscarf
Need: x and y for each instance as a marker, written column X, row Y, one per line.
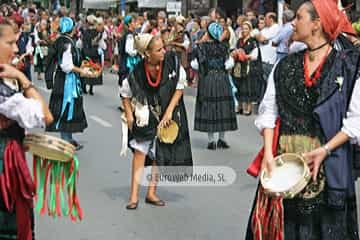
column 127, row 19
column 66, row 25
column 215, row 30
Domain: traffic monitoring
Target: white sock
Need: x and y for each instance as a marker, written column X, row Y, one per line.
column 211, row 137
column 222, row 136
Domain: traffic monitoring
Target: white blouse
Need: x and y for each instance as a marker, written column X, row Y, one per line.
column 67, row 64
column 27, row 112
column 125, row 90
column 186, row 42
column 268, row 111
column 129, row 45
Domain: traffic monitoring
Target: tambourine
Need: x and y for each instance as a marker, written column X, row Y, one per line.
column 168, row 134
column 290, row 175
column 49, row 147
column 56, row 170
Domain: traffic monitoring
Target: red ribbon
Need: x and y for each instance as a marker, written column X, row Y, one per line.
column 17, row 188
column 267, row 222
column 255, row 166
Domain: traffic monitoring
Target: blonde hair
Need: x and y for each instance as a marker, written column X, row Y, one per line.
column 248, row 24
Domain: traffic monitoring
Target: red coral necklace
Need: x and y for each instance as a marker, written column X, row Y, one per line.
column 148, row 76
column 310, row 81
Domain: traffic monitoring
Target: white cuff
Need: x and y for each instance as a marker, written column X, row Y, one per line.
column 194, row 64
column 27, row 112
column 182, row 79
column 125, row 90
column 229, row 64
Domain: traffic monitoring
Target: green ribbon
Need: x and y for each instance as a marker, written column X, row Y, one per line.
column 41, row 179
column 58, row 169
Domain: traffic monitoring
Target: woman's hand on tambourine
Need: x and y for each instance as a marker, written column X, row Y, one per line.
column 314, row 160
column 165, row 121
column 267, row 162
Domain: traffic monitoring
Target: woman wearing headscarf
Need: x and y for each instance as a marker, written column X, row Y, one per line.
column 128, row 54
column 41, row 37
column 315, row 95
column 247, row 70
column 66, row 101
column 92, row 50
column 215, row 107
column 180, row 42
column 21, row 107
column 153, row 96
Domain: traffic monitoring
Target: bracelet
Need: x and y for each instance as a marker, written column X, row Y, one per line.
column 31, row 85
column 327, row 149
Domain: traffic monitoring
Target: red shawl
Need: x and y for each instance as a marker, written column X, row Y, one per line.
column 17, row 188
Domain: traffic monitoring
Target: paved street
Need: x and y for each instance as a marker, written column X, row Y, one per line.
column 201, row 213
column 192, row 213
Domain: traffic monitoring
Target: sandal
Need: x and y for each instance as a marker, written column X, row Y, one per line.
column 159, row 203
column 132, row 205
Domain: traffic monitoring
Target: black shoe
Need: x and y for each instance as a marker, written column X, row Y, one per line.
column 120, row 108
column 85, row 92
column 248, row 113
column 158, row 203
column 77, row 145
column 132, row 206
column 222, row 144
column 91, row 93
column 240, row 111
column 211, row 146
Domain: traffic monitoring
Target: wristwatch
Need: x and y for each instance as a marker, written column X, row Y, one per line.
column 327, row 149
column 31, row 85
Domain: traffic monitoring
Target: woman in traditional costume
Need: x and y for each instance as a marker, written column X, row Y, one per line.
column 92, row 49
column 66, row 101
column 180, row 41
column 215, row 107
column 41, row 37
column 128, row 53
column 315, row 94
column 155, row 91
column 247, row 70
column 129, row 56
column 21, row 107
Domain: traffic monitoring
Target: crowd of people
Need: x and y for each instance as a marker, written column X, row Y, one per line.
column 302, row 69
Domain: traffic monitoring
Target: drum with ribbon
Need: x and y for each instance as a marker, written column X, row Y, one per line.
column 290, row 175
column 56, row 170
column 168, row 134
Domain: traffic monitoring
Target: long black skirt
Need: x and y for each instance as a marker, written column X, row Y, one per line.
column 215, row 107
column 78, row 123
column 313, row 219
column 249, row 88
column 93, row 81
